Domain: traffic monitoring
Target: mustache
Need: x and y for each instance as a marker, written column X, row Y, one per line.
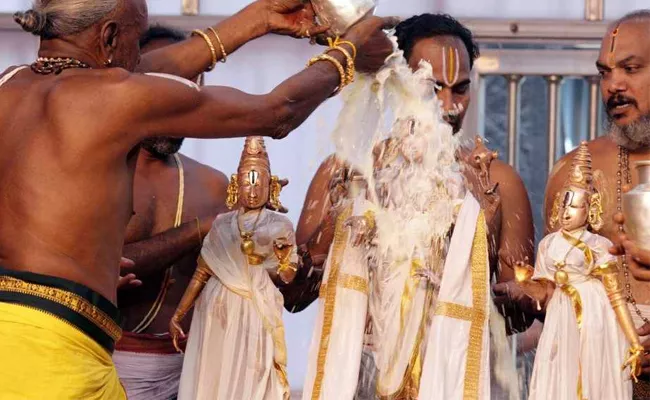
column 618, row 100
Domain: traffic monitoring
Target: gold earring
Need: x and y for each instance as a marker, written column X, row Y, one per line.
column 555, row 212
column 595, row 218
column 274, row 198
column 233, row 192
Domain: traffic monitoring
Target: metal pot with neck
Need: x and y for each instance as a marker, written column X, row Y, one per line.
column 340, row 15
column 636, row 207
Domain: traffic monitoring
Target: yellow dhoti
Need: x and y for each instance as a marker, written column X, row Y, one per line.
column 47, row 351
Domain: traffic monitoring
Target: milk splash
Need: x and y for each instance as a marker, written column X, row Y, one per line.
column 391, row 131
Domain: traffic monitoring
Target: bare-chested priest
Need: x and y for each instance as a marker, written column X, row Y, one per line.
column 69, row 127
column 175, row 200
column 624, row 67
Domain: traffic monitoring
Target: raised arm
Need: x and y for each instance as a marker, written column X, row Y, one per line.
column 154, row 106
column 193, row 56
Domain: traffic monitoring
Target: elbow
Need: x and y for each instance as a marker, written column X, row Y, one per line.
column 279, row 119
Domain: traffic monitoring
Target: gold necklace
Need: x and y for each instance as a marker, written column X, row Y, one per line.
column 624, row 173
column 247, row 244
column 561, row 277
column 55, row 65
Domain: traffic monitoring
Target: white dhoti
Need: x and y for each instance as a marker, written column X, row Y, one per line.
column 149, row 376
column 457, row 361
column 575, row 360
column 236, row 347
column 337, row 342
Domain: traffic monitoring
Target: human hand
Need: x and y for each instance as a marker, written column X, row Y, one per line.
column 176, row 332
column 294, row 18
column 360, row 230
column 128, row 280
column 638, row 259
column 373, row 46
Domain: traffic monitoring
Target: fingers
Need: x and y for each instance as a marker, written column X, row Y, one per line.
column 500, row 288
column 128, row 281
column 126, row 263
column 645, row 331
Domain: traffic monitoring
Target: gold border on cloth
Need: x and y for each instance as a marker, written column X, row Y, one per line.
column 477, row 314
column 348, row 281
column 67, row 299
column 340, row 240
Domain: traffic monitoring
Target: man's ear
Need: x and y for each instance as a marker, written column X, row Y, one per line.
column 109, row 41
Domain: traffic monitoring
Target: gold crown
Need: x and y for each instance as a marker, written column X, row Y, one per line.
column 254, row 155
column 581, row 175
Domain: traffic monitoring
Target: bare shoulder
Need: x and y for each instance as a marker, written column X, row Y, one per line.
column 213, row 180
column 504, row 173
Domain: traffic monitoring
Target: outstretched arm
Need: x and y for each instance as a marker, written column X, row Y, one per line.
column 193, row 56
column 148, row 106
column 158, row 252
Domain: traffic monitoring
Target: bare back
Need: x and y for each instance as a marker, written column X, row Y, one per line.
column 66, row 188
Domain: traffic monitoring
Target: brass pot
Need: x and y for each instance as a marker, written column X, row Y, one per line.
column 636, row 207
column 340, row 15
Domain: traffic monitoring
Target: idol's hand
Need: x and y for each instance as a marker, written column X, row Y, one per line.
column 637, row 259
column 292, row 18
column 373, row 46
column 176, row 332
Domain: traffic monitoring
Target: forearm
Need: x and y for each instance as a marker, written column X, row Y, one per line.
column 305, row 288
column 297, row 97
column 199, row 279
column 160, row 251
column 192, row 57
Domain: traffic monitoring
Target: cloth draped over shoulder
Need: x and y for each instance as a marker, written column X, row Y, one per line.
column 337, row 342
column 236, row 347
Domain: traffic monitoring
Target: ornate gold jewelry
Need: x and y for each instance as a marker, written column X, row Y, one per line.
column 554, row 221
column 623, row 173
column 274, row 195
column 595, row 218
column 55, row 65
column 224, row 55
column 247, row 245
column 233, row 192
column 338, row 42
column 337, row 64
column 208, row 41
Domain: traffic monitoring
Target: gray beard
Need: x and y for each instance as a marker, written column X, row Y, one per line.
column 633, row 136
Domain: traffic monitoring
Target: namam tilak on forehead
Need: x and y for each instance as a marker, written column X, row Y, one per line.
column 611, row 59
column 450, row 65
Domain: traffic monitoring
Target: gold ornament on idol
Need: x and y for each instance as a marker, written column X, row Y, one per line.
column 247, row 245
column 580, row 183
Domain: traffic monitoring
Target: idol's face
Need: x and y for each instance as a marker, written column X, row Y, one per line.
column 623, row 64
column 254, row 185
column 575, row 210
column 122, row 36
column 449, row 61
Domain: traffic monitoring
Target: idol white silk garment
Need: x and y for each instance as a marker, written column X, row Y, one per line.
column 236, row 347
column 572, row 357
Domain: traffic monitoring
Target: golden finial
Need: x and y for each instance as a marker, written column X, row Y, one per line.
column 581, row 174
column 254, row 155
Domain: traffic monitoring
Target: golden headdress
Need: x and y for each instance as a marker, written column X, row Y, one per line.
column 255, row 155
column 581, row 182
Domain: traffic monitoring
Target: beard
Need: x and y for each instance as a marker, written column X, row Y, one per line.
column 633, row 136
column 161, row 147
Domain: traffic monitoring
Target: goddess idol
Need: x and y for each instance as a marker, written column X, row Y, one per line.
column 236, row 347
column 586, row 339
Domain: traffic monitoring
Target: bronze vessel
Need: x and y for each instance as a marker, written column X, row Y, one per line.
column 636, row 207
column 340, row 15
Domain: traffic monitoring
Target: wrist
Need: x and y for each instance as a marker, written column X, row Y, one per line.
column 256, row 17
